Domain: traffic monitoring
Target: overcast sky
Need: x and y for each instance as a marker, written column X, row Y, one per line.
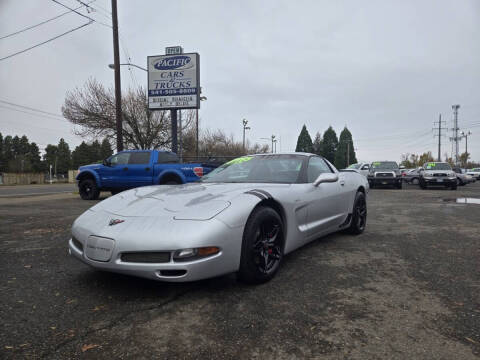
column 385, row 69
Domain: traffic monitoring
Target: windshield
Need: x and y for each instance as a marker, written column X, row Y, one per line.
column 254, row 169
column 354, row 166
column 389, row 165
column 437, row 166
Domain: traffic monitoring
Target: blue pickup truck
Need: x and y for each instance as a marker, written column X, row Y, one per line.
column 134, row 168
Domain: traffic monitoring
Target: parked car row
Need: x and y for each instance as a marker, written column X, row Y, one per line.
column 388, row 173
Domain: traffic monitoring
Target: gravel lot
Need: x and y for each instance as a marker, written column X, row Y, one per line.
column 409, row 287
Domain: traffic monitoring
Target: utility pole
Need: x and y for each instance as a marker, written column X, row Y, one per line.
column 440, row 128
column 118, row 86
column 273, row 140
column 245, row 127
column 196, row 134
column 173, row 118
column 466, row 135
column 180, row 150
column 455, row 130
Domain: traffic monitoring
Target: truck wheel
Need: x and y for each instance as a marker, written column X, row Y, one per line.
column 88, row 189
column 423, row 185
column 399, row 185
column 171, row 182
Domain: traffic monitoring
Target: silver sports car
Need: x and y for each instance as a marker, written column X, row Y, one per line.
column 242, row 217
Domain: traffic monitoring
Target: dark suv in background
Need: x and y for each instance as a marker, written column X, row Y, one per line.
column 383, row 173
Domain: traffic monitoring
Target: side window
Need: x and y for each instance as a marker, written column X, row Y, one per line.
column 139, row 158
column 167, row 158
column 365, row 167
column 316, row 166
column 120, row 159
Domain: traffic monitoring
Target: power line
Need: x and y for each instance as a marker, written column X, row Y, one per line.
column 82, row 15
column 32, row 109
column 29, row 113
column 44, row 42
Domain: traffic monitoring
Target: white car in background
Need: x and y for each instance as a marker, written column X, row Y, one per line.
column 362, row 168
column 475, row 172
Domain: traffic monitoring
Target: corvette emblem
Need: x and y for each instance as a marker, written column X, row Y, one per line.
column 115, row 222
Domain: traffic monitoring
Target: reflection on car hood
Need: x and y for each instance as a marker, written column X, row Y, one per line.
column 197, row 201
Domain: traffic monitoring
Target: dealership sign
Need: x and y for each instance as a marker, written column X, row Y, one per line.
column 174, row 81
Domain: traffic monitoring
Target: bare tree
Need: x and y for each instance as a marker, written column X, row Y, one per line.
column 92, row 108
column 217, row 144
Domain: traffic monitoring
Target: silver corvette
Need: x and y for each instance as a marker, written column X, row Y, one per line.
column 242, row 217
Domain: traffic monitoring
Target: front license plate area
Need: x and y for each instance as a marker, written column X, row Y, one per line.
column 384, row 183
column 439, row 180
column 99, row 248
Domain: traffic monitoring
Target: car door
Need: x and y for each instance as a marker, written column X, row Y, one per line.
column 112, row 174
column 139, row 169
column 326, row 209
column 364, row 169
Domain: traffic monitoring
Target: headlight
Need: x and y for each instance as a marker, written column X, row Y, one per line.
column 195, row 253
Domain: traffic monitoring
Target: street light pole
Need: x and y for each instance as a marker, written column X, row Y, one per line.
column 273, row 140
column 245, row 127
column 118, row 86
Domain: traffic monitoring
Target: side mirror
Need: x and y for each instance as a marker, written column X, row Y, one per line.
column 326, row 178
column 107, row 162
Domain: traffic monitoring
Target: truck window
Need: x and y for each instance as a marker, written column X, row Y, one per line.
column 120, row 158
column 139, row 158
column 167, row 158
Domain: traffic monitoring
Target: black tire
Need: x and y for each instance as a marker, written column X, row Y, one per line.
column 262, row 246
column 422, row 184
column 372, row 185
column 453, row 187
column 171, row 182
column 399, row 185
column 88, row 189
column 414, row 181
column 359, row 214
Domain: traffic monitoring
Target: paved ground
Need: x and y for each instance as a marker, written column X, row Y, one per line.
column 408, row 288
column 32, row 190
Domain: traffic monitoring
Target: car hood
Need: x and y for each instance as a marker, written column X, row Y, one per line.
column 197, row 201
column 91, row 166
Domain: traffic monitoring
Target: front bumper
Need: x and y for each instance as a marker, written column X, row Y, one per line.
column 384, row 180
column 195, row 234
column 439, row 181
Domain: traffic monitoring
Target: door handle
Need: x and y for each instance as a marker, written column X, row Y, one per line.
column 147, row 169
column 342, row 182
column 125, row 168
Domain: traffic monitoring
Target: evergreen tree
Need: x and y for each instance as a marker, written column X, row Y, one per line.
column 105, row 149
column 304, row 141
column 34, row 159
column 63, row 157
column 81, row 155
column 50, row 157
column 8, row 154
column 95, row 152
column 317, row 144
column 330, row 144
column 345, row 145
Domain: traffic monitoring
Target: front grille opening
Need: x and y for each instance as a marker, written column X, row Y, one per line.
column 77, row 244
column 173, row 273
column 146, row 257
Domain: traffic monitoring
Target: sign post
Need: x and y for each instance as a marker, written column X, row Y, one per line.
column 174, row 84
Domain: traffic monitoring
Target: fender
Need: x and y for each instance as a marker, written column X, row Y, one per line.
column 167, row 172
column 90, row 172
